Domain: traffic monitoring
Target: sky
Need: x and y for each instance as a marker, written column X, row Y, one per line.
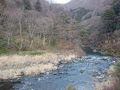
column 60, row 1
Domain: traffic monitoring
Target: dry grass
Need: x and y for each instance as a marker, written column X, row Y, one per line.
column 112, row 82
column 14, row 66
column 115, row 85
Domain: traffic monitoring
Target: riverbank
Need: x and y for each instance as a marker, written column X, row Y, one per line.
column 15, row 66
column 112, row 82
column 106, row 51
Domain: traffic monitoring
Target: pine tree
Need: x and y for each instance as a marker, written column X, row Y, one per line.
column 116, row 7
column 38, row 6
column 27, row 5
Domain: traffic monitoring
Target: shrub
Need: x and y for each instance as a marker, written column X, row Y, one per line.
column 70, row 87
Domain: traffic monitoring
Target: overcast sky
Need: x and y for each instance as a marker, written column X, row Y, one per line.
column 60, row 1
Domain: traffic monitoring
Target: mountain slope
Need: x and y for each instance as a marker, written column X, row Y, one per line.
column 100, row 24
column 88, row 4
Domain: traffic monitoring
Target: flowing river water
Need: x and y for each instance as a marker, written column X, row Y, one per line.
column 83, row 73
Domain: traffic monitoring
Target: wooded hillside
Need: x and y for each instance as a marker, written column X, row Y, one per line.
column 35, row 24
column 100, row 24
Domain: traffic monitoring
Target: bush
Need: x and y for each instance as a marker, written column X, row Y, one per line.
column 70, row 87
column 109, row 14
column 3, row 51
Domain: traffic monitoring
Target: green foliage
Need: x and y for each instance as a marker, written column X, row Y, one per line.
column 37, row 52
column 3, row 46
column 27, row 5
column 109, row 14
column 116, row 6
column 53, row 42
column 38, row 6
column 70, row 87
column 3, row 43
column 118, row 26
column 3, row 51
column 84, row 33
column 111, row 18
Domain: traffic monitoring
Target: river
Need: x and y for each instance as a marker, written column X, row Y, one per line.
column 83, row 73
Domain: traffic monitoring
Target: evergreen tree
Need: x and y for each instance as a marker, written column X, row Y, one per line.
column 109, row 20
column 27, row 5
column 111, row 17
column 116, row 7
column 38, row 6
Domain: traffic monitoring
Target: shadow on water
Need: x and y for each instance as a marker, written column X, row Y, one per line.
column 8, row 85
column 90, row 51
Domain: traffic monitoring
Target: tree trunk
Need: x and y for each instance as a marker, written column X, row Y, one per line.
column 21, row 41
